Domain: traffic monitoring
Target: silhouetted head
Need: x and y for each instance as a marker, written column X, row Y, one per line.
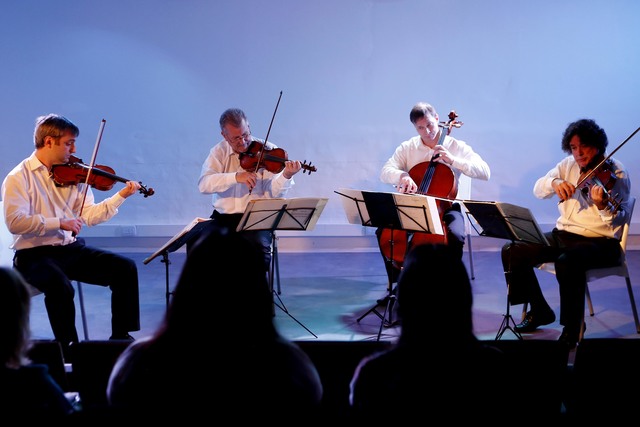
column 434, row 293
column 15, row 303
column 223, row 282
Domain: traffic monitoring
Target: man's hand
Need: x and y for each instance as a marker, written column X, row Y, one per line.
column 247, row 178
column 73, row 224
column 563, row 189
column 129, row 189
column 291, row 167
column 407, row 185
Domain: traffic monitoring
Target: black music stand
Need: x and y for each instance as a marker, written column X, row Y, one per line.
column 395, row 211
column 190, row 231
column 281, row 214
column 511, row 222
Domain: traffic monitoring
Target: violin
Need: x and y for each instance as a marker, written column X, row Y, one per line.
column 100, row 177
column 258, row 156
column 602, row 174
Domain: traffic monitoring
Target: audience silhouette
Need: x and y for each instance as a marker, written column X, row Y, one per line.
column 437, row 367
column 217, row 352
column 28, row 390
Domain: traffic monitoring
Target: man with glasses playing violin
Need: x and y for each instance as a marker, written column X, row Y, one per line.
column 45, row 217
column 587, row 232
column 232, row 186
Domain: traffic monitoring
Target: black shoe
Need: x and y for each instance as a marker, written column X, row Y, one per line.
column 532, row 321
column 122, row 337
column 570, row 339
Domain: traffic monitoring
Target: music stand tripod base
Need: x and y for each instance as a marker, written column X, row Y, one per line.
column 386, row 317
column 507, row 318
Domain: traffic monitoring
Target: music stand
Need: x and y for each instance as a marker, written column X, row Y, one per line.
column 511, row 222
column 189, row 232
column 395, row 211
column 281, row 214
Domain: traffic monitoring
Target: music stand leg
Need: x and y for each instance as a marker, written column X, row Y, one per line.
column 165, row 260
column 276, row 262
column 273, row 271
column 388, row 300
column 506, row 325
column 507, row 318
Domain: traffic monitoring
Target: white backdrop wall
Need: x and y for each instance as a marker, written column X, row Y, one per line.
column 160, row 72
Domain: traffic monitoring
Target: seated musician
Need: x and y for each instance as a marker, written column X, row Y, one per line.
column 587, row 232
column 451, row 157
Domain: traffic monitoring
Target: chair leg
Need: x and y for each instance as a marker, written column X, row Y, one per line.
column 473, row 274
column 588, row 295
column 83, row 313
column 633, row 304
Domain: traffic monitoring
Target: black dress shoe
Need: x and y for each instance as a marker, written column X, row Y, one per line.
column 532, row 321
column 570, row 339
column 122, row 337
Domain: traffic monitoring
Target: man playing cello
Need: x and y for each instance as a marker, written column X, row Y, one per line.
column 447, row 157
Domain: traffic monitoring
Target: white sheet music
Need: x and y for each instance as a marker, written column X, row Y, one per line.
column 354, row 206
column 187, row 228
column 417, row 212
column 300, row 213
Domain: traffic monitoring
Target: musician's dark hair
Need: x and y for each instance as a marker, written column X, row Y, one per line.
column 590, row 134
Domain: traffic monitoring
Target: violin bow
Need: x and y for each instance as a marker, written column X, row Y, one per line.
column 92, row 163
column 592, row 171
column 266, row 138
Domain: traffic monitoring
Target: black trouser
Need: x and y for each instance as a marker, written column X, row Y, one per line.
column 261, row 239
column 573, row 254
column 51, row 269
column 455, row 232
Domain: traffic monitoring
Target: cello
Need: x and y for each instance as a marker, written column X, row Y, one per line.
column 435, row 179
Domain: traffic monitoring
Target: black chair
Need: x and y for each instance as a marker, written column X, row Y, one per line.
column 336, row 363
column 49, row 352
column 92, row 362
column 604, row 378
column 542, row 366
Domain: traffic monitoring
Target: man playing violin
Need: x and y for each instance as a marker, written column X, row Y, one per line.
column 45, row 218
column 232, row 187
column 432, row 144
column 587, row 232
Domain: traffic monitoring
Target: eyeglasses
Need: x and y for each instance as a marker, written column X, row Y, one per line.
column 239, row 139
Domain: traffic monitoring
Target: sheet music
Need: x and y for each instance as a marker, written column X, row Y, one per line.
column 413, row 216
column 523, row 223
column 354, row 207
column 175, row 242
column 300, row 213
column 415, row 212
column 506, row 221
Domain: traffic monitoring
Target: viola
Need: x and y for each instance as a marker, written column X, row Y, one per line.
column 435, row 179
column 260, row 156
column 100, row 177
column 602, row 174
